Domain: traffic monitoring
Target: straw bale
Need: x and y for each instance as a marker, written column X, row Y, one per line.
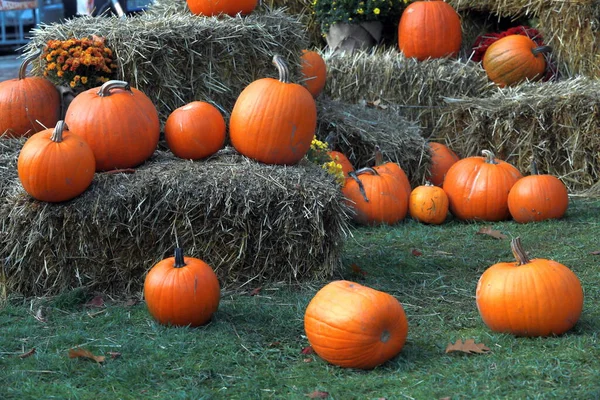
column 252, row 222
column 557, row 122
column 176, row 57
column 9, row 153
column 417, row 88
column 358, row 129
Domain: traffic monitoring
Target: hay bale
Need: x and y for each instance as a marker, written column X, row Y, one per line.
column 358, row 129
column 418, row 88
column 176, row 57
column 559, row 122
column 9, row 153
column 250, row 221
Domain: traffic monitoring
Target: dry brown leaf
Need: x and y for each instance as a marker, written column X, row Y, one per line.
column 356, row 270
column 114, row 354
column 27, row 354
column 317, row 394
column 416, row 253
column 486, row 230
column 82, row 353
column 308, row 350
column 307, row 360
column 595, row 253
column 97, row 302
column 256, row 291
column 469, row 346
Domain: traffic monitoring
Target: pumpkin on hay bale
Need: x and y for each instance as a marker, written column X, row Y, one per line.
column 250, row 221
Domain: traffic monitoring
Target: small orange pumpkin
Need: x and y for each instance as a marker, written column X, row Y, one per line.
column 314, row 71
column 429, row 29
column 195, row 130
column 514, row 59
column 428, row 204
column 442, row 158
column 56, row 165
column 211, row 8
column 182, row 291
column 27, row 104
column 536, row 297
column 274, row 121
column 341, row 159
column 354, row 326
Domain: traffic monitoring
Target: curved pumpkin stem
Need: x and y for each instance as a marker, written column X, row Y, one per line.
column 25, row 63
column 518, row 252
column 57, row 133
column 179, row 261
column 541, row 50
column 361, row 188
column 284, row 73
column 108, row 85
column 490, row 158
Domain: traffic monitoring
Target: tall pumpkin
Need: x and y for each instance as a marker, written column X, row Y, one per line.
column 513, row 59
column 354, row 326
column 314, row 71
column 120, row 123
column 429, row 29
column 478, row 187
column 536, row 297
column 215, row 7
column 56, row 165
column 28, row 104
column 442, row 158
column 182, row 291
column 273, row 121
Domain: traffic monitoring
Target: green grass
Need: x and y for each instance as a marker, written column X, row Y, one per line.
column 252, row 347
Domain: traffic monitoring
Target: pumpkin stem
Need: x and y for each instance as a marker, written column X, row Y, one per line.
column 179, row 261
column 541, row 50
column 57, row 133
column 534, row 168
column 26, row 61
column 518, row 252
column 354, row 175
column 284, row 73
column 108, row 85
column 490, row 158
column 378, row 156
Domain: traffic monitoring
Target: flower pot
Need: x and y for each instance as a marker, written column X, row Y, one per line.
column 357, row 36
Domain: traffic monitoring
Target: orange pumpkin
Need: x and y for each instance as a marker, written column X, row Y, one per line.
column 120, row 123
column 442, row 158
column 56, row 165
column 215, row 7
column 536, row 297
column 341, row 159
column 429, row 29
column 27, row 104
column 182, row 291
column 514, row 59
column 477, row 187
column 273, row 121
column 428, row 204
column 355, row 326
column 538, row 198
column 195, row 131
column 314, row 71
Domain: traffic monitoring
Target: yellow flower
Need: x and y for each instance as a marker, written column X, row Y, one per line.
column 376, row 11
column 84, row 79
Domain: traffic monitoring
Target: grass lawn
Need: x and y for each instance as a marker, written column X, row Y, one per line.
column 253, row 346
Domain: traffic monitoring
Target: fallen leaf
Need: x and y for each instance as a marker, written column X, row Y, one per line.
column 486, row 230
column 307, row 360
column 356, row 270
column 256, row 291
column 82, row 353
column 317, row 394
column 131, row 302
column 595, row 253
column 97, row 301
column 469, row 346
column 416, row 253
column 27, row 354
column 114, row 354
column 274, row 344
column 308, row 350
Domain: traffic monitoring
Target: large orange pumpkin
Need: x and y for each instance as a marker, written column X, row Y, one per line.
column 442, row 158
column 215, row 7
column 429, row 29
column 354, row 326
column 120, row 123
column 28, row 104
column 273, row 121
column 56, row 165
column 477, row 187
column 195, row 130
column 514, row 59
column 182, row 291
column 314, row 71
column 536, row 297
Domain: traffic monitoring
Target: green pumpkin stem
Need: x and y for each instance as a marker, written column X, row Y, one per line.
column 541, row 50
column 179, row 261
column 284, row 73
column 108, row 85
column 57, row 133
column 490, row 158
column 534, row 168
column 518, row 252
column 25, row 63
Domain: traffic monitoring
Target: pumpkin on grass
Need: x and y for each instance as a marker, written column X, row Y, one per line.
column 182, row 291
column 211, row 8
column 195, row 130
column 56, row 165
column 536, row 297
column 28, row 104
column 314, row 71
column 428, row 204
column 274, row 121
column 120, row 123
column 354, row 326
column 442, row 158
